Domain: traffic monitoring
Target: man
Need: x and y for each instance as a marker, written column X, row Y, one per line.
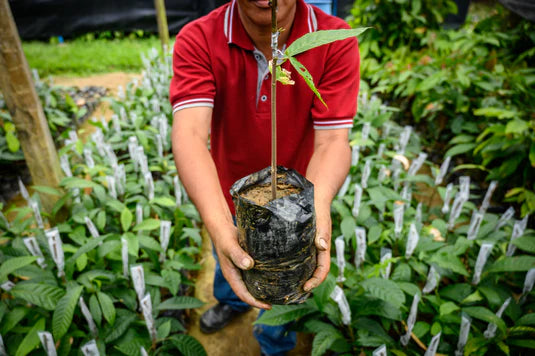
column 221, row 89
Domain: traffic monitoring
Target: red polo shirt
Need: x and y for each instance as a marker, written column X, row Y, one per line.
column 216, row 64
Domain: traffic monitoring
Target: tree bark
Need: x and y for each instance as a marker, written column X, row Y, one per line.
column 20, row 96
column 163, row 30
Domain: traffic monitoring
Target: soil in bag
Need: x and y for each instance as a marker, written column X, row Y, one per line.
column 278, row 234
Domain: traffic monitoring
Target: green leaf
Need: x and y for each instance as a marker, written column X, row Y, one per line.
column 147, row 225
column 516, row 126
column 495, row 112
column 48, row 190
column 460, row 149
column 512, row 264
column 485, row 314
column 94, row 308
column 445, row 260
column 528, row 319
column 108, row 309
column 75, row 182
column 384, row 289
column 31, row 340
column 525, row 243
column 320, row 38
column 182, row 302
column 13, row 143
column 527, row 343
column 164, row 330
column 62, row 318
column 303, row 72
column 322, row 341
column 164, row 201
column 348, row 227
column 188, row 345
column 124, row 319
column 116, row 206
column 448, row 308
column 282, row 314
column 14, row 264
column 431, row 81
column 88, row 246
column 126, row 219
column 42, row 295
column 532, row 154
column 13, row 318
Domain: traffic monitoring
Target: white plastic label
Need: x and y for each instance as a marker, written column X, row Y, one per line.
column 116, row 123
column 111, row 186
column 142, row 159
column 138, row 277
column 509, row 213
column 406, row 192
column 36, row 213
column 475, row 224
column 32, row 246
column 418, row 217
column 355, row 154
column 456, row 209
column 124, row 256
column 366, row 174
column 143, row 351
column 2, row 347
column 443, row 170
column 491, row 328
column 149, row 186
column 56, row 249
column 90, row 349
column 518, row 230
column 339, row 297
column 133, row 151
column 365, row 132
column 360, row 254
column 345, row 187
column 382, row 173
column 417, row 164
column 139, row 214
column 381, row 150
column 433, row 277
column 356, row 201
column 88, row 155
column 48, row 343
column 120, row 179
column 178, row 191
column 463, row 334
column 146, row 307
column 386, row 254
column 91, row 227
column 404, row 139
column 433, row 345
column 159, row 145
column 65, row 165
column 7, row 286
column 488, row 196
column 412, row 241
column 398, row 219
column 447, row 198
column 482, row 257
column 386, row 129
column 165, row 234
column 340, row 258
column 110, row 155
column 88, row 317
column 411, row 320
column 380, row 351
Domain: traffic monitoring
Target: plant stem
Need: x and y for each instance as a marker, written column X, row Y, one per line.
column 274, row 49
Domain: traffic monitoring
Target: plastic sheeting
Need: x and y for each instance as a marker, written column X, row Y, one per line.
column 42, row 19
column 524, row 8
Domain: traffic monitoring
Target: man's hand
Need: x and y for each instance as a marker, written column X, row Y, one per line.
column 323, row 245
column 232, row 258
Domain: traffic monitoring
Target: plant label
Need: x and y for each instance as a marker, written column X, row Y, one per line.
column 56, row 249
column 365, row 132
column 443, row 170
column 475, row 224
column 139, row 213
column 124, row 256
column 121, row 95
column 433, row 345
column 7, row 286
column 90, row 349
column 111, row 186
column 360, row 254
column 404, row 139
column 88, row 317
column 412, row 241
column 386, row 254
column 32, row 246
column 406, row 192
column 138, row 278
column 386, row 129
column 178, row 191
column 345, row 187
column 395, row 177
column 381, row 150
column 340, row 258
column 48, row 343
column 463, row 334
column 382, row 173
column 98, row 139
column 37, row 213
column 65, row 165
column 518, row 230
column 159, row 145
column 91, row 227
column 116, row 123
column 464, row 184
column 398, row 219
column 143, row 352
column 149, row 186
column 433, row 277
column 165, row 234
column 411, row 320
column 491, row 328
column 447, row 198
column 142, row 159
column 110, row 155
column 88, row 156
column 482, row 257
column 356, row 201
column 418, row 216
column 146, row 307
column 509, row 213
column 2, row 347
column 340, row 298
column 417, row 164
column 528, row 284
column 355, row 153
column 366, row 174
column 488, row 196
column 456, row 209
column 132, row 151
column 380, row 351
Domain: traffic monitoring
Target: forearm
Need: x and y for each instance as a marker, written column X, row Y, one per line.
column 327, row 170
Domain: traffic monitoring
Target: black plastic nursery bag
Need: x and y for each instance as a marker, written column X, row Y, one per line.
column 279, row 236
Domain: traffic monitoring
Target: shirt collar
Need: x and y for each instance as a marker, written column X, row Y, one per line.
column 305, row 22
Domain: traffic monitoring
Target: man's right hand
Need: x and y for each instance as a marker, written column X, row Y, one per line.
column 232, row 258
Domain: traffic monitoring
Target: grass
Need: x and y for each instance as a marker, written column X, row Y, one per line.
column 83, row 57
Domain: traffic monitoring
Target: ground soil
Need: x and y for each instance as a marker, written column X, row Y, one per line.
column 261, row 194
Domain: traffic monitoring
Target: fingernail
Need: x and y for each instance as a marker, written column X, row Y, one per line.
column 323, row 244
column 307, row 288
column 246, row 263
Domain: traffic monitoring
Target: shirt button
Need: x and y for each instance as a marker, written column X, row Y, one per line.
column 263, row 97
column 266, row 77
column 257, row 57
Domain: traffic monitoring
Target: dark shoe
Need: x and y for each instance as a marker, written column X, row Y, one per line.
column 217, row 317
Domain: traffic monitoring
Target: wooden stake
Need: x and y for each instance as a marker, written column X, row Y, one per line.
column 163, row 30
column 274, row 49
column 25, row 108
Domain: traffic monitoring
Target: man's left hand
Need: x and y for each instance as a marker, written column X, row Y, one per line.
column 323, row 244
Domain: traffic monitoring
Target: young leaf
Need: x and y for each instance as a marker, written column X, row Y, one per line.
column 282, row 314
column 322, row 341
column 164, row 201
column 188, row 345
column 42, row 295
column 108, row 309
column 320, row 38
column 513, row 264
column 182, row 302
column 31, row 340
column 147, row 225
column 124, row 319
column 94, row 307
column 384, row 289
column 485, row 314
column 14, row 264
column 63, row 314
column 126, row 219
column 300, row 68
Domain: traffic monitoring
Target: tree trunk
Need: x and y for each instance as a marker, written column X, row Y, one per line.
column 25, row 108
column 163, row 30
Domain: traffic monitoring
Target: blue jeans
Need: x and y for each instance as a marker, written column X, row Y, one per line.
column 273, row 340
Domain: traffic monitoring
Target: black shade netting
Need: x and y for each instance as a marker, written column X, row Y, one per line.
column 279, row 236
